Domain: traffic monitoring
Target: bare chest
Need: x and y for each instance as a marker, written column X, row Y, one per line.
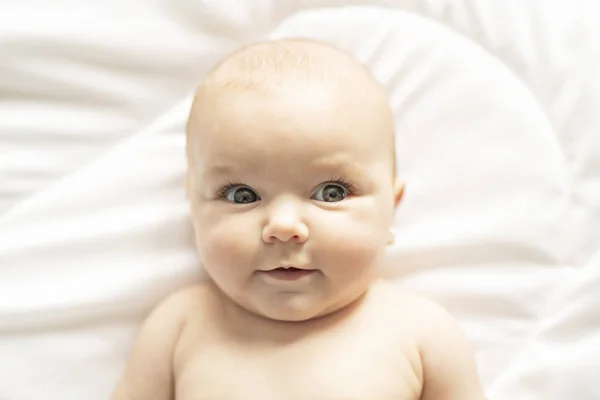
column 330, row 367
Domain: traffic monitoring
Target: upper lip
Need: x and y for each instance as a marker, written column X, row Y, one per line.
column 288, row 267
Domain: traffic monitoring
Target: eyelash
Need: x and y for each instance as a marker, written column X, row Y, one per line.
column 342, row 182
column 222, row 192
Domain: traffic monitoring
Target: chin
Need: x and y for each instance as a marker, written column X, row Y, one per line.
column 292, row 307
column 296, row 310
column 292, row 314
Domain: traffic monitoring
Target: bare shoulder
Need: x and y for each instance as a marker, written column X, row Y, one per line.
column 434, row 327
column 179, row 303
column 447, row 360
column 425, row 316
column 169, row 315
column 428, row 316
column 408, row 307
column 148, row 372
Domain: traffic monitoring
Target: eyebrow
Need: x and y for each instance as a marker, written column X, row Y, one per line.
column 341, row 164
column 336, row 165
column 219, row 170
column 216, row 173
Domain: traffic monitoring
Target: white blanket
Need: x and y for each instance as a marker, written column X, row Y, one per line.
column 497, row 136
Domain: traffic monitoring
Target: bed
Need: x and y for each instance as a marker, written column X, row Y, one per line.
column 496, row 108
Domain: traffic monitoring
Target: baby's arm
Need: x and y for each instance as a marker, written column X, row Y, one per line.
column 149, row 374
column 448, row 362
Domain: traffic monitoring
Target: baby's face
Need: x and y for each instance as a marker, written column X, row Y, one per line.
column 292, row 197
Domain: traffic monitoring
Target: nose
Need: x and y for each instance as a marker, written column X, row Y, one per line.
column 285, row 225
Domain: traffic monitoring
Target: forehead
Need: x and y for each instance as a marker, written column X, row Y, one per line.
column 304, row 123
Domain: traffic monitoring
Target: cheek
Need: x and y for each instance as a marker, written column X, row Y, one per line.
column 226, row 241
column 354, row 238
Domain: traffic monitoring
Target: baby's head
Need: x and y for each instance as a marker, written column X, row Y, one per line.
column 291, row 178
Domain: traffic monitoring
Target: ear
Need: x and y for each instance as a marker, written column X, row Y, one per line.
column 399, row 186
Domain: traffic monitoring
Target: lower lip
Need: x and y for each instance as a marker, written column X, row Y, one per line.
column 282, row 274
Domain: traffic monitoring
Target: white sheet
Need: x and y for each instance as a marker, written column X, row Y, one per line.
column 497, row 137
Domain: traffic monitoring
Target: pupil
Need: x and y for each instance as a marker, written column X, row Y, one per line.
column 244, row 196
column 333, row 193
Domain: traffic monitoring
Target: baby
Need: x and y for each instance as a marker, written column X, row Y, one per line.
column 292, row 186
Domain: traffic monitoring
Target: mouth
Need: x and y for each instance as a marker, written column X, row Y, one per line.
column 288, row 273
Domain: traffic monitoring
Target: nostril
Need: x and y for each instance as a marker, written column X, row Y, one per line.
column 275, row 238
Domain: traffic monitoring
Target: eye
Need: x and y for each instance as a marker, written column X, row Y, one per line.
column 240, row 194
column 331, row 193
